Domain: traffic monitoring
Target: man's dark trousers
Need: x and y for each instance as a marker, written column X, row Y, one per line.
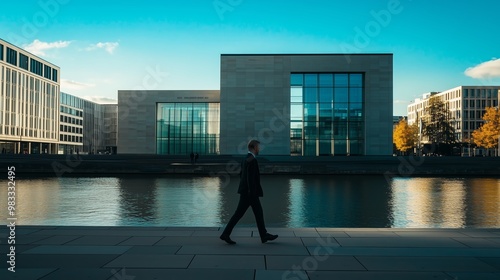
column 245, row 202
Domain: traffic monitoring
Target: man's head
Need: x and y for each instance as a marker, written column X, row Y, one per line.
column 254, row 146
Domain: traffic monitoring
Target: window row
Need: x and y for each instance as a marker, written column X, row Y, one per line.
column 326, row 95
column 326, row 147
column 188, row 112
column 326, row 79
column 472, row 125
column 326, row 112
column 70, row 129
column 319, row 130
column 70, row 138
column 71, row 120
column 72, row 101
column 71, row 111
column 482, row 93
column 480, row 103
column 185, row 146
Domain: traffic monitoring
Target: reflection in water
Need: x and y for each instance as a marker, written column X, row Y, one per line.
column 296, row 212
column 445, row 203
column 138, row 201
column 185, row 201
column 483, row 207
column 338, row 201
column 289, row 201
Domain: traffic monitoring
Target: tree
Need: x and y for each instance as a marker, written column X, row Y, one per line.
column 487, row 135
column 436, row 123
column 405, row 136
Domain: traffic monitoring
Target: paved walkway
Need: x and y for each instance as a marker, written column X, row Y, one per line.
column 128, row 253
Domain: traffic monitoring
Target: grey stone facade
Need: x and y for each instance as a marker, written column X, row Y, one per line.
column 255, row 98
column 137, row 115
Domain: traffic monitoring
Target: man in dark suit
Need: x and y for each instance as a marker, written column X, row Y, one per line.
column 250, row 190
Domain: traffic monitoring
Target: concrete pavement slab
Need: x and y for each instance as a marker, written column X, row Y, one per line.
column 333, row 234
column 62, row 261
column 473, row 276
column 170, row 241
column 320, row 241
column 309, row 263
column 141, row 240
column 57, row 240
column 457, row 264
column 228, row 262
column 153, row 250
column 25, row 273
column 187, row 274
column 80, row 274
column 280, row 274
column 408, row 252
column 369, row 275
column 432, row 234
column 495, row 262
column 371, row 234
column 475, row 242
column 245, row 249
column 398, row 242
column 150, row 261
column 78, row 250
column 98, row 240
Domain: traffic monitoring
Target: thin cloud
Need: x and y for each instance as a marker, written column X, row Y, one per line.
column 67, row 85
column 39, row 48
column 485, row 70
column 401, row 102
column 101, row 100
column 109, row 47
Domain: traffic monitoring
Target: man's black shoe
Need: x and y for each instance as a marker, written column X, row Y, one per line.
column 268, row 237
column 227, row 239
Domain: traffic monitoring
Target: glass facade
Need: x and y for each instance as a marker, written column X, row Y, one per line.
column 326, row 114
column 183, row 128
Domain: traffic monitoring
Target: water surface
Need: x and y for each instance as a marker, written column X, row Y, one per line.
column 289, row 201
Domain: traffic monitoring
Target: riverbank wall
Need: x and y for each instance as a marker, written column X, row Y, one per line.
column 68, row 165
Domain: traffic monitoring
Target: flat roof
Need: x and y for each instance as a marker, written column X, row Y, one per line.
column 304, row 54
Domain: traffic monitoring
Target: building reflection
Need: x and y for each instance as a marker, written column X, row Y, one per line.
column 34, row 204
column 189, row 201
column 338, row 201
column 483, row 203
column 428, row 202
column 138, row 201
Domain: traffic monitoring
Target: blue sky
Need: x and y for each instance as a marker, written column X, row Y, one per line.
column 104, row 46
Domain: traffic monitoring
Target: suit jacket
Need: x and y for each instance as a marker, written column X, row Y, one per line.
column 250, row 177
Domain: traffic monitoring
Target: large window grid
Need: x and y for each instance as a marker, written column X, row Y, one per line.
column 183, row 128
column 327, row 114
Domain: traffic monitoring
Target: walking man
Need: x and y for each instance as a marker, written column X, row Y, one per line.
column 250, row 190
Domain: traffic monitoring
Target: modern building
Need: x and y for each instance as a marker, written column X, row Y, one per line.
column 466, row 105
column 170, row 122
column 71, row 124
column 87, row 127
column 299, row 104
column 29, row 102
column 110, row 127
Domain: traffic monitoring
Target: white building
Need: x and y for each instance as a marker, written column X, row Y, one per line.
column 29, row 102
column 467, row 105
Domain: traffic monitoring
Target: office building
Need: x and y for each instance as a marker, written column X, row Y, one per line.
column 304, row 105
column 29, row 102
column 466, row 106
